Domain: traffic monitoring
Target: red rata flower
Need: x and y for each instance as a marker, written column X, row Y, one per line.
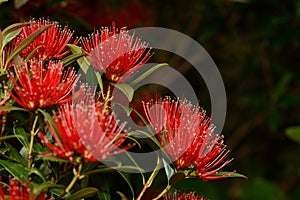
column 18, row 191
column 87, row 130
column 38, row 85
column 116, row 53
column 51, row 44
column 176, row 195
column 186, row 134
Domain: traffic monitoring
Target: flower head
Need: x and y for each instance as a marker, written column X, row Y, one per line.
column 18, row 191
column 177, row 195
column 39, row 85
column 51, row 44
column 186, row 134
column 115, row 53
column 86, row 129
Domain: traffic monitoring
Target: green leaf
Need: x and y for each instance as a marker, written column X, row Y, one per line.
column 22, row 137
column 71, row 58
column 9, row 37
column 83, row 193
column 2, row 1
column 293, row 133
column 26, row 42
column 126, row 89
column 83, row 63
column 123, row 197
column 168, row 169
column 36, row 171
column 147, row 73
column 32, row 53
column 104, row 191
column 38, row 188
column 125, row 177
column 100, row 82
column 9, row 137
column 232, row 175
column 16, row 156
column 13, row 27
column 15, row 169
column 11, row 108
column 128, row 110
column 52, row 158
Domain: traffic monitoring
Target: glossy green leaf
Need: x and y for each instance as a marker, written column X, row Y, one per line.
column 147, row 73
column 83, row 193
column 38, row 188
column 9, row 37
column 232, row 175
column 26, row 42
column 16, row 156
column 293, row 133
column 32, row 53
column 22, row 137
column 83, row 63
column 71, row 58
column 15, row 169
column 126, row 89
column 52, row 158
column 6, row 137
column 37, row 172
column 13, row 27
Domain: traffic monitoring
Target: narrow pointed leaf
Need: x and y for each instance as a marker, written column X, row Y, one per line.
column 83, row 193
column 13, row 27
column 124, row 176
column 26, row 42
column 168, row 170
column 147, row 73
column 10, row 36
column 126, row 89
column 83, row 63
column 15, row 169
column 71, row 58
column 294, row 133
column 16, row 156
column 22, row 137
column 36, row 171
column 232, row 175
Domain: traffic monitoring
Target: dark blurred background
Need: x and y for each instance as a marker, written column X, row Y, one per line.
column 256, row 46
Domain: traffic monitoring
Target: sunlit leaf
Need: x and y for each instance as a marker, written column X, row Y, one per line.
column 13, row 27
column 232, row 175
column 293, row 133
column 83, row 193
column 2, row 1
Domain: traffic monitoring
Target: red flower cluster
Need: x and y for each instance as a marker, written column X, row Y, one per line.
column 17, row 191
column 116, row 53
column 187, row 135
column 38, row 85
column 86, row 129
column 51, row 44
column 183, row 196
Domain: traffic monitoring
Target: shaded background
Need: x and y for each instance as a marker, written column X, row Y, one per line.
column 255, row 45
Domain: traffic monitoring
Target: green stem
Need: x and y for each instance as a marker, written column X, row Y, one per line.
column 163, row 192
column 75, row 178
column 150, row 180
column 32, row 134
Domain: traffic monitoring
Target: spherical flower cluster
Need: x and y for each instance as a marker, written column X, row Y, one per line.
column 115, row 53
column 17, row 191
column 50, row 44
column 187, row 135
column 86, row 129
column 37, row 84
